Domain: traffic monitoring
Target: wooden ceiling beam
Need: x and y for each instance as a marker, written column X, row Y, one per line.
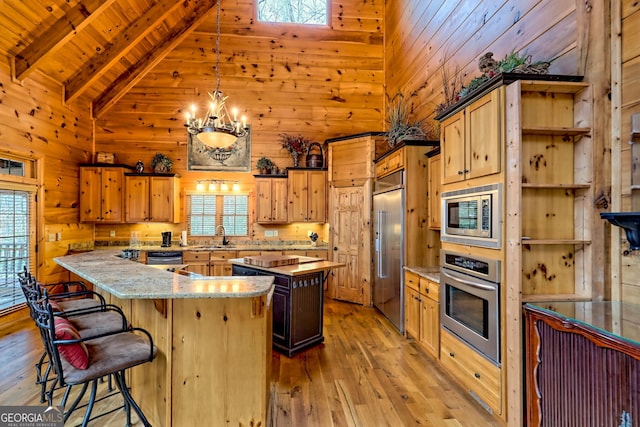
column 57, row 35
column 130, row 77
column 117, row 48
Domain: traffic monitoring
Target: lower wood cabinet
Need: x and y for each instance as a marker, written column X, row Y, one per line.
column 422, row 312
column 475, row 373
column 209, row 263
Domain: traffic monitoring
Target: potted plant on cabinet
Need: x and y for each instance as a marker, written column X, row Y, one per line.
column 161, row 163
column 264, row 165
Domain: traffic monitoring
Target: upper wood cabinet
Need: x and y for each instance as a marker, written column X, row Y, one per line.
column 435, row 179
column 102, row 193
column 152, row 198
column 307, row 195
column 271, row 200
column 394, row 161
column 471, row 140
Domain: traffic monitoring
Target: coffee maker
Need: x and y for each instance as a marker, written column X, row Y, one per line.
column 166, row 239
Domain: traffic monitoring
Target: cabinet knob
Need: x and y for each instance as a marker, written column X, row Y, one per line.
column 477, row 375
column 335, row 248
column 451, row 354
column 460, row 172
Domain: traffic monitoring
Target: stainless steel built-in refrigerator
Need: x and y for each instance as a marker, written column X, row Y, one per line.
column 388, row 229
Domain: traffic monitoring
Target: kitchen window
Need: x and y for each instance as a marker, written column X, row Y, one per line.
column 310, row 12
column 208, row 211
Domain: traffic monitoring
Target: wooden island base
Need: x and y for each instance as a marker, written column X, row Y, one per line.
column 213, row 364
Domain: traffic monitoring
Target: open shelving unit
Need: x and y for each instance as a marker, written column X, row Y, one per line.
column 549, row 190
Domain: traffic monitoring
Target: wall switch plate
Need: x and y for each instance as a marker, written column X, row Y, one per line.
column 52, row 237
column 59, row 236
column 275, row 233
column 268, row 233
column 112, row 233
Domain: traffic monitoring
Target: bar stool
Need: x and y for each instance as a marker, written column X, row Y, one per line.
column 84, row 361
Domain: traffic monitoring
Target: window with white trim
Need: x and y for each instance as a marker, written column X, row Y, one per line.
column 208, row 211
column 311, row 12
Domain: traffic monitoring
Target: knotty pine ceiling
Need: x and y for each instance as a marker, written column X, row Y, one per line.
column 94, row 48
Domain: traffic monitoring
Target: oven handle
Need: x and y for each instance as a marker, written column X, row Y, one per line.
column 468, row 282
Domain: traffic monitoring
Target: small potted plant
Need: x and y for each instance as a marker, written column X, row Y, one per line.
column 161, row 163
column 264, row 165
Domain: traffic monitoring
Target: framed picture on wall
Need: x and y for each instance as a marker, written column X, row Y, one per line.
column 234, row 158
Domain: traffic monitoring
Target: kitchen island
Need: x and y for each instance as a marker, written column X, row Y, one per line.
column 213, row 336
column 297, row 298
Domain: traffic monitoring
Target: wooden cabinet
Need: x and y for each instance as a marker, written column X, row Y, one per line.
column 389, row 164
column 209, row 263
column 306, row 195
column 219, row 263
column 197, row 261
column 435, row 179
column 549, row 190
column 102, row 194
column 472, row 370
column 471, row 139
column 271, row 200
column 422, row 312
column 152, row 198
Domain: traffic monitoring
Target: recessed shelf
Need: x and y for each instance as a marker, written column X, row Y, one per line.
column 556, row 186
column 555, row 241
column 560, row 131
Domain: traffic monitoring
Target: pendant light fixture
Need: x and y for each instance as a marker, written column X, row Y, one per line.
column 217, row 128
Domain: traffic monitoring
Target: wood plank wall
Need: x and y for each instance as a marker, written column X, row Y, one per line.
column 630, row 153
column 34, row 123
column 321, row 82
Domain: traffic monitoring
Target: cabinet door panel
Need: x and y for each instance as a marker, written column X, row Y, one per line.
column 452, row 148
column 316, row 196
column 412, row 313
column 297, row 196
column 161, row 203
column 430, row 326
column 435, row 207
column 112, row 190
column 137, row 208
column 483, row 136
column 279, row 200
column 90, row 197
column 263, row 200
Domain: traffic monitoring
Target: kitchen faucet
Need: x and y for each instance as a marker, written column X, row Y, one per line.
column 224, row 237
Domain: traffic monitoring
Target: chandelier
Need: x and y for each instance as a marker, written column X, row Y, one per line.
column 217, row 128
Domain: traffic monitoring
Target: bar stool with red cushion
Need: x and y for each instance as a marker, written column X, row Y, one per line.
column 84, row 361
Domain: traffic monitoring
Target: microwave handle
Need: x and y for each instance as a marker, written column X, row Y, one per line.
column 467, row 282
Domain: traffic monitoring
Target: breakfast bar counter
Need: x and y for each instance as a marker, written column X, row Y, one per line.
column 213, row 336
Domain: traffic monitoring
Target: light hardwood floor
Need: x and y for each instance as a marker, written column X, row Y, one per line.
column 364, row 374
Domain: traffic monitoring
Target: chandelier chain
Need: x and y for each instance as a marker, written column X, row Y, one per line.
column 218, row 47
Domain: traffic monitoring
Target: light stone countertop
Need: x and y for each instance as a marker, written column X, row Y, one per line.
column 131, row 280
column 232, row 247
column 431, row 273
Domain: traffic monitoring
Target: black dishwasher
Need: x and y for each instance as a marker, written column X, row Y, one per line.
column 164, row 257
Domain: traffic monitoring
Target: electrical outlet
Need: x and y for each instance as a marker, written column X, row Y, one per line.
column 52, row 237
column 112, row 233
column 275, row 233
column 59, row 236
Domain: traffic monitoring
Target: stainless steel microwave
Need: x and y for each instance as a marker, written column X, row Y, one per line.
column 472, row 216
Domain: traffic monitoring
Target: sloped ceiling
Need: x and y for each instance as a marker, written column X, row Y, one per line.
column 97, row 49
